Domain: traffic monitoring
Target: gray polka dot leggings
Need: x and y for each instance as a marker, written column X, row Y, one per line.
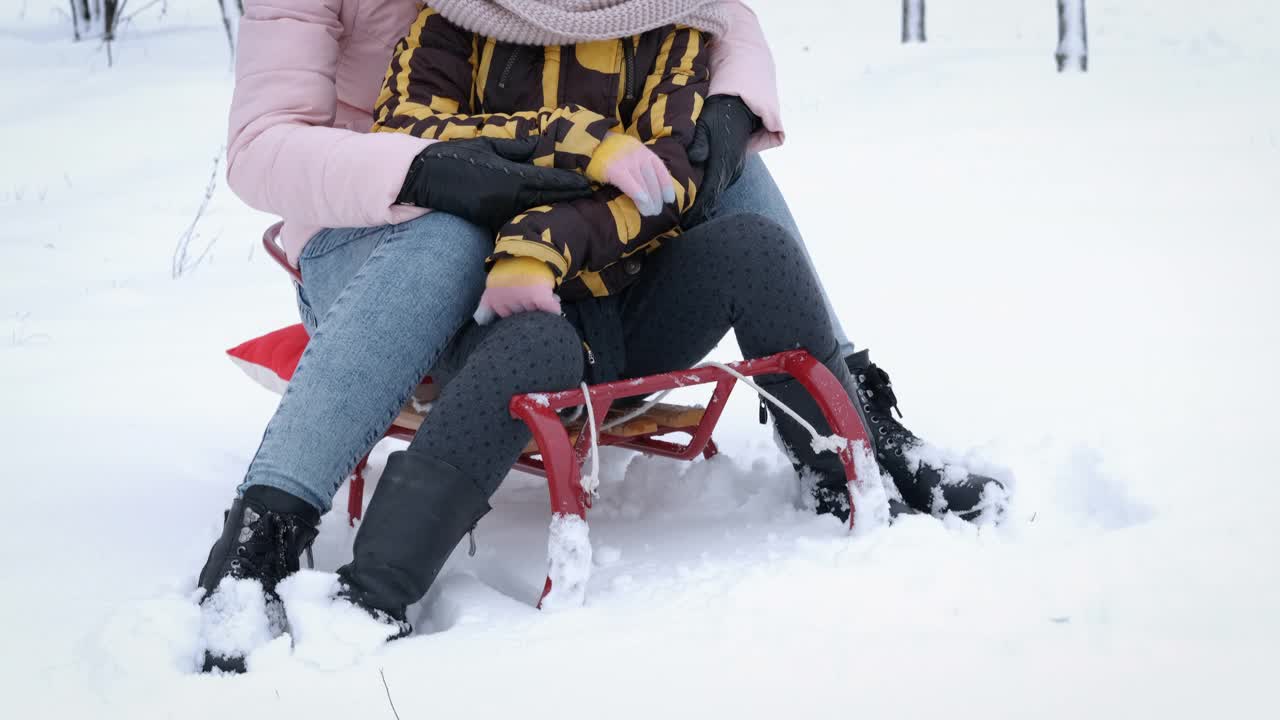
column 742, row 272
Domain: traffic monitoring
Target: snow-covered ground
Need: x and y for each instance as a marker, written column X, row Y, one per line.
column 1071, row 276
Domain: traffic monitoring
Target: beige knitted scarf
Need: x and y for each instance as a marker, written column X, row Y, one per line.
column 568, row 22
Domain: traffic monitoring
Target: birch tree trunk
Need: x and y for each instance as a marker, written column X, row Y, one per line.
column 913, row 21
column 1073, row 37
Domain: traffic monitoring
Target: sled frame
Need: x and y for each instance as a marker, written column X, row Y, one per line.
column 560, row 460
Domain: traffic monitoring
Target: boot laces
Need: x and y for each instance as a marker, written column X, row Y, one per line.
column 264, row 546
column 880, row 402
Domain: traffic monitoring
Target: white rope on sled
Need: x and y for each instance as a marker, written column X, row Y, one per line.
column 813, row 432
column 573, row 417
column 646, row 407
column 591, row 480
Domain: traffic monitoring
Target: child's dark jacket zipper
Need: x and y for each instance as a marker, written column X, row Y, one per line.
column 511, row 62
column 629, row 68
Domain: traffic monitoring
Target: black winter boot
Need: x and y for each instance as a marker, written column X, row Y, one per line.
column 922, row 484
column 263, row 535
column 421, row 510
column 830, row 490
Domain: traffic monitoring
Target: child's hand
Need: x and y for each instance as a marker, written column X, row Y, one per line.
column 629, row 165
column 517, row 285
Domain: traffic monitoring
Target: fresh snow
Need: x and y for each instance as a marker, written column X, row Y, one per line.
column 325, row 632
column 237, row 618
column 568, row 562
column 871, row 494
column 1069, row 276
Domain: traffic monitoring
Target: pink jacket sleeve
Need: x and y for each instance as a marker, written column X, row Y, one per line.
column 742, row 65
column 283, row 156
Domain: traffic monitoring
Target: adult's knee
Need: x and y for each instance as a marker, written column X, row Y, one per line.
column 438, row 258
column 766, row 234
column 540, row 351
column 440, row 232
column 744, row 245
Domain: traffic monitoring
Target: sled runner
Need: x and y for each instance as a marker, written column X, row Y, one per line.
column 564, row 440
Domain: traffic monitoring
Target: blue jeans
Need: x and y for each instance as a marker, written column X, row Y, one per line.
column 381, row 305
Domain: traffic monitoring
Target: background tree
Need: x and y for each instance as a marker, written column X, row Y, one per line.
column 1073, row 37
column 912, row 21
column 79, row 15
column 112, row 11
column 231, row 12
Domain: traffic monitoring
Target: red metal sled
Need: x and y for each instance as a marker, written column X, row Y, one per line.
column 554, row 455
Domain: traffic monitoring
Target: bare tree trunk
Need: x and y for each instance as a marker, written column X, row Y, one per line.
column 75, row 20
column 1073, row 37
column 231, row 12
column 97, row 8
column 110, row 17
column 80, row 14
column 913, row 21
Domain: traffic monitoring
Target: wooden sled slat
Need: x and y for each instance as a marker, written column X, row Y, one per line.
column 676, row 416
column 663, row 415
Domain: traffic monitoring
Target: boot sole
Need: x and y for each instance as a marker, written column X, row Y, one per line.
column 234, row 665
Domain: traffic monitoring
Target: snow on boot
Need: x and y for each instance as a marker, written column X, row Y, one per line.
column 926, row 483
column 821, row 472
column 831, row 500
column 263, row 535
column 423, row 507
column 327, row 630
column 391, row 627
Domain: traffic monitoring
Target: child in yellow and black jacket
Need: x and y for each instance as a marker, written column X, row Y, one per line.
column 622, row 112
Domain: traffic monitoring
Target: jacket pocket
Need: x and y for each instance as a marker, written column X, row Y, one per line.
column 330, row 239
column 305, row 313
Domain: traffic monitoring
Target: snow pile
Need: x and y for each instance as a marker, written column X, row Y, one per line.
column 328, row 633
column 568, row 562
column 1095, row 497
column 237, row 618
column 636, row 488
column 459, row 599
column 156, row 635
column 871, row 493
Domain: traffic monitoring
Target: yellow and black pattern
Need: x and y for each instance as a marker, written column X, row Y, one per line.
column 446, row 83
column 438, row 72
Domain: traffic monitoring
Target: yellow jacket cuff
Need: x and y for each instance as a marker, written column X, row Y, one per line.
column 610, row 148
column 516, row 271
